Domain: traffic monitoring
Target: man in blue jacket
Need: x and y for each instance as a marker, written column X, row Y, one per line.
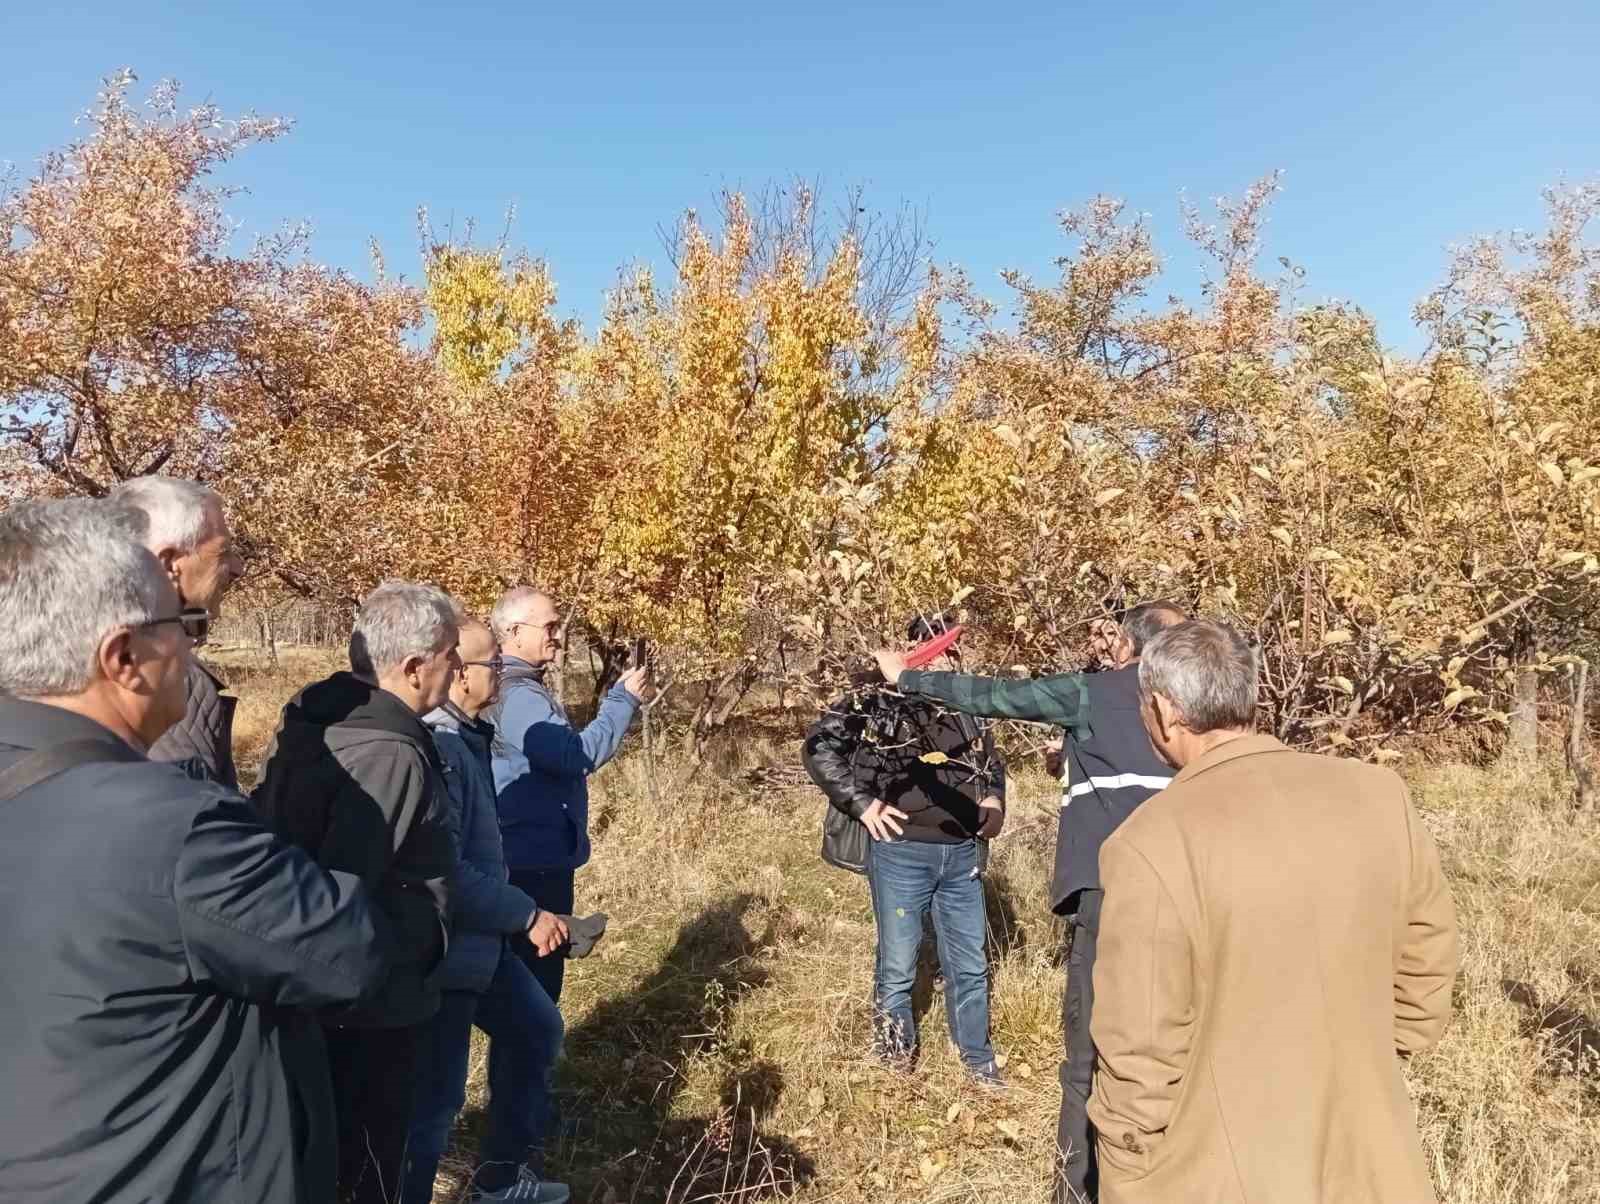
column 483, row 983
column 542, row 764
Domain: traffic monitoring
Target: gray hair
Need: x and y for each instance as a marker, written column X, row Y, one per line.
column 1206, row 670
column 71, row 572
column 175, row 510
column 508, row 611
column 1142, row 623
column 399, row 619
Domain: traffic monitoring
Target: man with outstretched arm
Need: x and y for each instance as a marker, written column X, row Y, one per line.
column 1108, row 768
column 542, row 764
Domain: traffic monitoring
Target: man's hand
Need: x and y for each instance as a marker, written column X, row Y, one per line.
column 881, row 820
column 991, row 818
column 636, row 682
column 546, row 933
column 891, row 664
column 1052, row 757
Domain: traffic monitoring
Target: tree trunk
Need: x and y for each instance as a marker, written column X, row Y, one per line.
column 1577, row 761
column 1524, row 735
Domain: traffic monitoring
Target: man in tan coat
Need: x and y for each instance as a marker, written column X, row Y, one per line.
column 1277, row 934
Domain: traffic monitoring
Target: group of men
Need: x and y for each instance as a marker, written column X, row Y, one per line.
column 1258, row 935
column 271, row 999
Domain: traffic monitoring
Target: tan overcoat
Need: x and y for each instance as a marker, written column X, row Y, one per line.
column 1276, row 934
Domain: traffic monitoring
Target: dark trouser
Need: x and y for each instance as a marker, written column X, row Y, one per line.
column 908, row 879
column 1077, row 1168
column 373, row 1070
column 552, row 891
column 524, row 1031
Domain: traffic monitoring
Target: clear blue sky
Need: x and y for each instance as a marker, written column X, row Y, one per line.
column 1400, row 126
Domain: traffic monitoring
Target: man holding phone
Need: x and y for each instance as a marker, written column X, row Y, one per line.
column 542, row 764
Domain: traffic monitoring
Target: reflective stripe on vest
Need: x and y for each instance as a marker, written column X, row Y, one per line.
column 1119, row 781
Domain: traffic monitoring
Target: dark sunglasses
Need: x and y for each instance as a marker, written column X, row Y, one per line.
column 195, row 621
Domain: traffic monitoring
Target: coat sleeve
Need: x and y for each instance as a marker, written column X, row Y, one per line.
column 530, row 722
column 1144, row 1012
column 1426, row 948
column 263, row 921
column 390, row 799
column 1061, row 699
column 828, row 755
column 482, row 902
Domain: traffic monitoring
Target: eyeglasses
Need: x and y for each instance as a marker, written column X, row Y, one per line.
column 497, row 666
column 550, row 628
column 195, row 621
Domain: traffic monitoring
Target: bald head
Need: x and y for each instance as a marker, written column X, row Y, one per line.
column 527, row 625
column 478, row 683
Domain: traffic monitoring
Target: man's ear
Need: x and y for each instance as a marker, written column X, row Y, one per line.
column 411, row 668
column 169, row 558
column 1166, row 716
column 116, row 660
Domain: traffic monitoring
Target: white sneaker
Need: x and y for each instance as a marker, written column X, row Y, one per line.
column 529, row 1189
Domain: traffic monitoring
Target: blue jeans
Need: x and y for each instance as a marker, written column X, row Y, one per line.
column 524, row 1030
column 908, row 878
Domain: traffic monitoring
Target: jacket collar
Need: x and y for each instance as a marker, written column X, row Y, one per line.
column 1231, row 750
column 25, row 724
column 526, row 670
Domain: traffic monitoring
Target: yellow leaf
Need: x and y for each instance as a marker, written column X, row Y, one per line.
column 1457, row 696
column 1553, row 471
column 1571, row 557
column 933, row 758
column 1261, row 471
column 928, row 1169
column 1339, row 635
column 961, row 595
column 1010, row 1130
column 1281, row 534
column 952, row 1112
column 816, row 1097
column 1108, row 495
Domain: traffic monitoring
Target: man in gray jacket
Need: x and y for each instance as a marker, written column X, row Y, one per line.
column 484, row 983
column 353, row 776
column 186, row 530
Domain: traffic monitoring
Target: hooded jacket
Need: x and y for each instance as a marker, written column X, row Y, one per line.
column 160, row 946
column 353, row 777
column 487, row 908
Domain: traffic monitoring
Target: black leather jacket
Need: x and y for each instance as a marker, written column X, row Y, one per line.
column 934, row 764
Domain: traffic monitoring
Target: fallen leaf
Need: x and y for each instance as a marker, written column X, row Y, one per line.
column 952, row 1112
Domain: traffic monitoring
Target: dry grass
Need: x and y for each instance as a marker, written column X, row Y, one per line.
column 715, row 1040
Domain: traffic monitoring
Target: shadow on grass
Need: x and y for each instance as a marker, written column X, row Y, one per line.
column 625, row 1065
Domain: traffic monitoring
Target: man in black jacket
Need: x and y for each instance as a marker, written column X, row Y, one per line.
column 1108, row 767
column 160, row 941
column 353, row 776
column 930, row 790
column 186, row 530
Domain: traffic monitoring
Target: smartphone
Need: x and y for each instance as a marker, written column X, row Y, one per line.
column 641, row 652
